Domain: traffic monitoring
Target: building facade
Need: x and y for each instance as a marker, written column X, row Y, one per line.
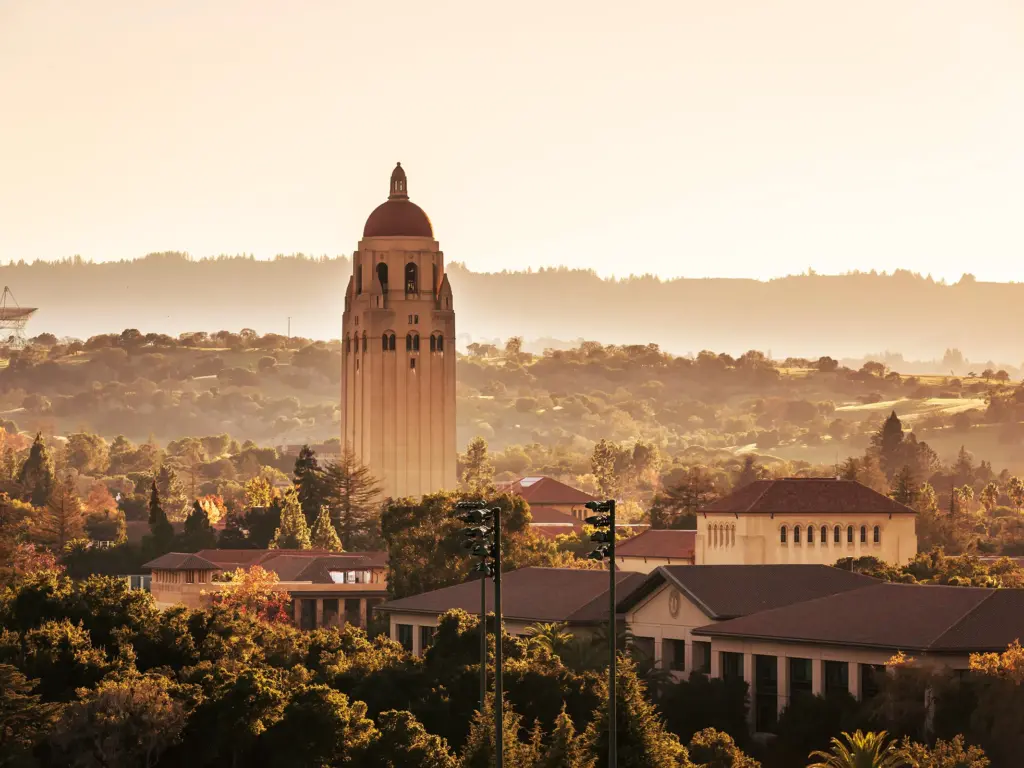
column 398, row 369
column 804, row 521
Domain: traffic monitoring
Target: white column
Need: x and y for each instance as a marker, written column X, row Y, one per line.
column 818, row 677
column 363, row 622
column 716, row 663
column 416, row 649
column 854, row 677
column 319, row 612
column 782, row 674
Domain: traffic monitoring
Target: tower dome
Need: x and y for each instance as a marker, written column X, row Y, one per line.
column 398, row 216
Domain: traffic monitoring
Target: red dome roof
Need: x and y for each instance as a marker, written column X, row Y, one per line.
column 398, row 217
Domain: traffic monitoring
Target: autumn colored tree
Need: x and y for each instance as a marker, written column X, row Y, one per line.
column 254, row 591
column 62, row 518
column 87, row 453
column 955, row 753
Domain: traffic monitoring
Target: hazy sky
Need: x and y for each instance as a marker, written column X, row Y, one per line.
column 715, row 138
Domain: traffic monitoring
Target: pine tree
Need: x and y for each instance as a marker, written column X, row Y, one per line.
column 354, row 497
column 324, row 536
column 871, row 475
column 293, row 532
column 173, row 500
column 886, row 443
column 749, row 473
column 198, row 533
column 479, row 750
column 37, row 475
column 308, row 481
column 906, row 490
column 477, row 467
column 566, row 749
column 63, row 518
column 161, row 531
column 643, row 740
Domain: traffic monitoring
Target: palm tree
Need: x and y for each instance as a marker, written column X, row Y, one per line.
column 861, row 750
column 552, row 636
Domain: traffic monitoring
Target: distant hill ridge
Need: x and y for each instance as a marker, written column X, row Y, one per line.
column 803, row 315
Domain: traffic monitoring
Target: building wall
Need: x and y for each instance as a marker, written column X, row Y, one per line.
column 648, row 564
column 654, row 619
column 400, row 421
column 728, row 539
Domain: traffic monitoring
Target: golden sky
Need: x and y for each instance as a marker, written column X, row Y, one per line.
column 719, row 138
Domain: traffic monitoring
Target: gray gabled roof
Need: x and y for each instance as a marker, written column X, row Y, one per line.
column 727, row 591
column 181, row 561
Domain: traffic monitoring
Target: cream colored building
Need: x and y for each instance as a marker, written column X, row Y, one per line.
column 807, row 521
column 326, row 589
column 398, row 368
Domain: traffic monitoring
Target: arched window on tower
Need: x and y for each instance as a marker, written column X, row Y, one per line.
column 782, row 535
column 824, row 534
column 415, row 342
column 412, row 284
column 837, row 538
column 796, row 534
column 433, row 343
column 384, row 342
column 382, row 276
column 863, row 534
column 359, row 278
column 364, row 341
column 433, row 283
column 440, row 342
column 849, row 534
column 810, row 534
column 391, row 342
column 408, row 342
column 877, row 535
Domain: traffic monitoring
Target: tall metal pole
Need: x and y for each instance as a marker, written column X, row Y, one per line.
column 483, row 641
column 498, row 703
column 613, row 723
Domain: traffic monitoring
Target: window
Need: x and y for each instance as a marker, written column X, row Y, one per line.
column 782, row 539
column 382, row 276
column 837, row 677
column 702, row 657
column 800, row 683
column 412, row 363
column 416, row 319
column 364, row 341
column 384, row 342
column 359, row 278
column 408, row 342
column 849, row 534
column 391, row 342
column 404, row 632
column 863, row 534
column 387, row 342
column 673, row 654
column 837, row 536
column 440, row 343
column 412, row 342
column 190, row 578
column 796, row 534
column 877, row 535
column 766, row 692
column 410, row 319
column 824, row 534
column 810, row 534
column 732, row 665
column 426, row 637
column 433, row 284
column 411, row 278
column 433, row 343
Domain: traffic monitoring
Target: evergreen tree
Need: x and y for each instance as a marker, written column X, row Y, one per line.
column 886, row 444
column 906, row 490
column 479, row 751
column 173, row 500
column 63, row 518
column 849, row 469
column 400, row 740
column 324, row 536
column 566, row 748
column 198, row 533
column 234, row 535
column 354, row 498
column 643, row 740
column 161, row 531
column 715, row 749
column 309, row 483
column 293, row 533
column 37, row 476
column 871, row 475
column 477, row 467
column 749, row 473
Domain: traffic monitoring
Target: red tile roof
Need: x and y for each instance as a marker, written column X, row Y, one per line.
column 659, row 543
column 545, row 490
column 529, row 594
column 909, row 617
column 807, row 495
column 180, row 561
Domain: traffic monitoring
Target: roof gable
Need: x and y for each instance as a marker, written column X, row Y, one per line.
column 807, row 495
column 546, row 490
column 181, row 561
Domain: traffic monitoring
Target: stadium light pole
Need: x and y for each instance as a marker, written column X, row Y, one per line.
column 604, row 522
column 477, row 538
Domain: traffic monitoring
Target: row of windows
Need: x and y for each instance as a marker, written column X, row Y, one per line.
column 412, row 278
column 387, row 342
column 722, row 535
column 837, row 534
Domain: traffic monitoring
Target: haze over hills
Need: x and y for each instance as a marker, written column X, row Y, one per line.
column 805, row 315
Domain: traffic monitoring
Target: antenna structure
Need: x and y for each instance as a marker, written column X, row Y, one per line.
column 13, row 319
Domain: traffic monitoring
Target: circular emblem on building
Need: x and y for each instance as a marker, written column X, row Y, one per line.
column 673, row 603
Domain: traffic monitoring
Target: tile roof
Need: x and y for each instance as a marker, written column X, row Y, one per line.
column 727, row 591
column 909, row 617
column 546, row 490
column 529, row 594
column 542, row 514
column 807, row 495
column 181, row 561
column 658, row 543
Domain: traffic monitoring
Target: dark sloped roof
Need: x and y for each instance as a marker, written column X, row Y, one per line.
column 181, row 561
column 727, row 591
column 541, row 514
column 658, row 543
column 807, row 495
column 910, row 617
column 546, row 490
column 529, row 594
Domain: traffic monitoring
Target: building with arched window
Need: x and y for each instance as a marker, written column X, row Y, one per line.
column 778, row 521
column 398, row 400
